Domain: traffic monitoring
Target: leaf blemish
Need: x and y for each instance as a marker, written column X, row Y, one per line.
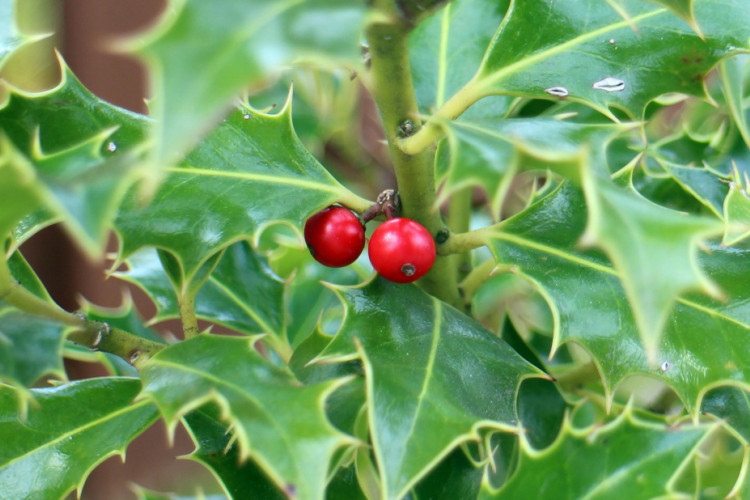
column 557, row 91
column 609, row 84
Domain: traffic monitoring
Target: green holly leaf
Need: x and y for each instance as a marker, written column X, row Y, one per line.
column 733, row 71
column 590, row 307
column 444, row 54
column 72, row 158
column 261, row 402
column 216, row 450
column 653, row 248
column 625, row 458
column 67, row 432
column 241, row 293
column 736, row 210
column 236, row 43
column 30, row 348
column 732, row 405
column 596, row 56
column 489, row 152
column 433, row 376
column 265, row 177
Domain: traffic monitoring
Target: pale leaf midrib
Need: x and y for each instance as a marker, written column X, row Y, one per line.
column 495, row 76
column 271, row 179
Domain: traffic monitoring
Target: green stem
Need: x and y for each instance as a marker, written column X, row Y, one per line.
column 433, row 129
column 459, row 220
column 393, row 91
column 93, row 334
column 476, row 278
column 187, row 315
column 465, row 242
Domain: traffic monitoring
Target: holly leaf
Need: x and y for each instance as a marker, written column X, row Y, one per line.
column 489, row 152
column 625, row 458
column 732, row 405
column 216, row 450
column 236, row 44
column 241, row 293
column 653, row 248
column 73, row 155
column 263, row 404
column 433, row 376
column 251, row 172
column 595, row 56
column 590, row 307
column 736, row 210
column 68, row 431
column 444, row 55
column 30, row 348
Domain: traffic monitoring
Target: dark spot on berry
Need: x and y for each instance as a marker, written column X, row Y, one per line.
column 408, row 269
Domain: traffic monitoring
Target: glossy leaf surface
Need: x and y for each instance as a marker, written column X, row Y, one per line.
column 67, row 432
column 699, row 347
column 236, row 43
column 606, row 60
column 624, row 459
column 433, row 376
column 30, row 347
column 263, row 403
column 215, row 450
column 79, row 153
column 251, row 172
column 445, row 54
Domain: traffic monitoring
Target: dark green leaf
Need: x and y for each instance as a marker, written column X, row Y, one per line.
column 263, row 403
column 705, row 342
column 433, row 377
column 446, row 50
column 251, row 172
column 624, row 459
column 732, row 405
column 215, row 450
column 83, row 153
column 67, row 432
column 30, row 347
column 588, row 49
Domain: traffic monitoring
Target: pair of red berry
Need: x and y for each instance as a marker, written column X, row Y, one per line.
column 400, row 249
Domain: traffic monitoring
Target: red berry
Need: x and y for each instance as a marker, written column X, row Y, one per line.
column 335, row 236
column 401, row 250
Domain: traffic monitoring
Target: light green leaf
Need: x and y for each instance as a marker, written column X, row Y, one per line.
column 733, row 71
column 445, row 53
column 623, row 459
column 67, row 432
column 75, row 155
column 215, row 450
column 241, row 293
column 654, row 250
column 250, row 173
column 705, row 343
column 489, row 152
column 236, row 43
column 588, row 49
column 30, row 348
column 433, row 376
column 279, row 423
column 737, row 210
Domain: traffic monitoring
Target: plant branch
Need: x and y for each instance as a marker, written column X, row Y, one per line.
column 433, row 129
column 96, row 335
column 459, row 220
column 393, row 91
column 476, row 279
column 464, row 242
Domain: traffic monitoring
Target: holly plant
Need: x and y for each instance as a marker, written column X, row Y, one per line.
column 523, row 273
